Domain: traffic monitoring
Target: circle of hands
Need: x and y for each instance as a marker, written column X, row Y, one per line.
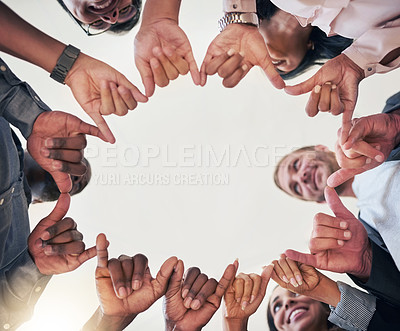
column 125, row 285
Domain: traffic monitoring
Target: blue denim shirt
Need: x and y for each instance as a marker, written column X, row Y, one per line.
column 21, row 283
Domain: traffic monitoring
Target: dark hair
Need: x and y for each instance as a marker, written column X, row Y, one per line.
column 324, row 47
column 272, row 327
column 118, row 27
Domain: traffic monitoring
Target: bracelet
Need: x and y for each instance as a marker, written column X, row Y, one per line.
column 65, row 63
column 238, row 18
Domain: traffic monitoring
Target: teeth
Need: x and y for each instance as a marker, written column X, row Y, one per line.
column 104, row 5
column 295, row 312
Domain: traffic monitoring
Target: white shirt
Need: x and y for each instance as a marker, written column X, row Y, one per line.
column 377, row 191
column 373, row 23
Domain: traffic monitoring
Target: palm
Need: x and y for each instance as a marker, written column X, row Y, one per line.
column 234, row 308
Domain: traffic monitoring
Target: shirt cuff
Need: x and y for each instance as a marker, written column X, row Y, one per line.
column 239, row 6
column 354, row 310
column 19, row 104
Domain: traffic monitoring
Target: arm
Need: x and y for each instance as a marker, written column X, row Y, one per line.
column 162, row 49
column 98, row 88
column 377, row 50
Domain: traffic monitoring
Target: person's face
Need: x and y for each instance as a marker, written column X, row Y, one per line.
column 303, row 174
column 293, row 312
column 287, row 41
column 101, row 12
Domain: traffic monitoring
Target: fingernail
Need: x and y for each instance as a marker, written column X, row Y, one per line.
column 379, row 158
column 368, row 161
column 135, row 285
column 45, row 235
column 238, row 299
column 168, row 52
column 284, row 278
column 231, row 52
column 157, row 51
column 343, row 225
column 45, row 152
column 299, row 281
column 378, row 147
column 333, row 86
column 195, row 304
column 252, row 298
column 293, row 282
column 122, row 292
column 241, row 54
column 57, row 165
column 49, row 142
column 245, row 67
column 244, row 305
column 187, row 302
column 47, row 250
column 340, row 242
column 347, row 234
column 317, row 89
column 185, row 293
column 329, row 83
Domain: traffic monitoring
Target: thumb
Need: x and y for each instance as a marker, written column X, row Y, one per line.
column 303, row 87
column 61, row 208
column 335, row 204
column 63, row 181
column 265, row 277
column 175, row 281
column 165, row 273
column 301, row 257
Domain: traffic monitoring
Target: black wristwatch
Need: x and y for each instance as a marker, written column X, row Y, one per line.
column 65, row 63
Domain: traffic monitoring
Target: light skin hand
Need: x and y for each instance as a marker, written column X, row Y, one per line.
column 57, row 142
column 338, row 244
column 162, row 53
column 102, row 90
column 314, row 284
column 345, row 75
column 243, row 39
column 243, row 298
column 55, row 244
column 370, row 141
column 206, row 293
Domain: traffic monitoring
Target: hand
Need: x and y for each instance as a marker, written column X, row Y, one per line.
column 370, row 141
column 162, row 53
column 55, row 244
column 310, row 282
column 102, row 90
column 345, row 75
column 243, row 298
column 125, row 286
column 57, row 142
column 191, row 304
column 338, row 244
column 248, row 42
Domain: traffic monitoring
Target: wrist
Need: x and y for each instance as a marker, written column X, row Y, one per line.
column 155, row 11
column 235, row 324
column 395, row 119
column 103, row 322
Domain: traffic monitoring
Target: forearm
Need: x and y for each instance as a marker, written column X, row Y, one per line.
column 156, row 10
column 20, row 39
column 101, row 322
column 235, row 324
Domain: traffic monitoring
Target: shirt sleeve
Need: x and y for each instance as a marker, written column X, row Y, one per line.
column 239, row 6
column 354, row 310
column 371, row 47
column 20, row 288
column 19, row 104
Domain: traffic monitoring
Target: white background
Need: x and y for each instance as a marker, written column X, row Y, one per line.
column 204, row 225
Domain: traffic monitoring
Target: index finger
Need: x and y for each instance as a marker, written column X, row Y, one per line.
column 335, row 204
column 105, row 132
column 342, row 175
column 102, row 252
column 269, row 69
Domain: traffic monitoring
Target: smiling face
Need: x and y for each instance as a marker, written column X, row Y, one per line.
column 286, row 40
column 101, row 14
column 293, row 312
column 303, row 173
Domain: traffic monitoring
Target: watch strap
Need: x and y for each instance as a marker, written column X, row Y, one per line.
column 65, row 63
column 238, row 18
